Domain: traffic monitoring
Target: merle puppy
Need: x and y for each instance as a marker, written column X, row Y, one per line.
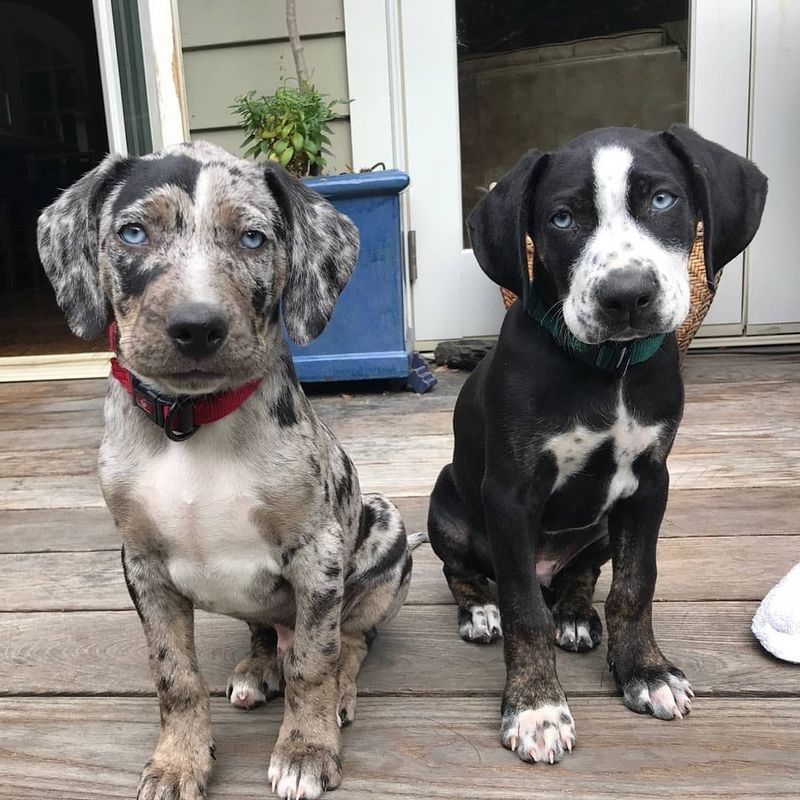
column 563, row 430
column 238, row 500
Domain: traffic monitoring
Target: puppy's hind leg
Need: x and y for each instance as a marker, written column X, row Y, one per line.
column 257, row 677
column 376, row 586
column 578, row 626
column 449, row 532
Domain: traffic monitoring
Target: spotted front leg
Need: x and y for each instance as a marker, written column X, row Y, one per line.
column 306, row 760
column 181, row 764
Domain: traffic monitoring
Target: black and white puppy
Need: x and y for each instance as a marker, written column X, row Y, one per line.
column 563, row 431
column 259, row 515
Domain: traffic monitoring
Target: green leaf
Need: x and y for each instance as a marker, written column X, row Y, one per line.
column 273, row 157
column 311, row 146
column 279, row 146
column 286, row 156
column 287, row 129
column 297, row 141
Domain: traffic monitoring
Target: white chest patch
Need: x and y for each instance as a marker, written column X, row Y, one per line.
column 630, row 439
column 200, row 500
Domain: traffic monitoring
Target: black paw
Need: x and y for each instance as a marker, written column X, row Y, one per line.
column 577, row 631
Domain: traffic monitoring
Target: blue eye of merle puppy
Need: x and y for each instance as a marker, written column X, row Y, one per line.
column 662, row 200
column 252, row 240
column 133, row 234
column 562, row 220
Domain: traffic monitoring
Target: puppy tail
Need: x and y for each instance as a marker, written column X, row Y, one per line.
column 416, row 539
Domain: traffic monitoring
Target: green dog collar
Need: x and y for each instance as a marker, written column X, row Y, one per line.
column 608, row 356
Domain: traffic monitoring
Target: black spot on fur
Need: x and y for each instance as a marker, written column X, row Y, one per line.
column 164, row 685
column 333, row 571
column 133, row 280
column 259, row 297
column 132, row 590
column 162, row 654
column 406, row 569
column 283, row 409
column 286, row 359
column 389, row 558
column 330, row 271
column 344, row 486
column 180, row 222
column 147, row 175
column 365, row 524
column 330, row 649
column 323, row 602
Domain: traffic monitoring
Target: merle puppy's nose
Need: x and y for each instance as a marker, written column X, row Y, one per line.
column 197, row 329
column 624, row 296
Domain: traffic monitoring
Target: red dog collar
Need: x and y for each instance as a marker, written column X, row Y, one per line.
column 178, row 415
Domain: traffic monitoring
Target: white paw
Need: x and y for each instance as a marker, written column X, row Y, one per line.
column 244, row 693
column 480, row 623
column 253, row 682
column 668, row 696
column 292, row 786
column 539, row 734
column 303, row 771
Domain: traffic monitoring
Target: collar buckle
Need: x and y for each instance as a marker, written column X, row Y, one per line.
column 174, row 415
column 624, row 354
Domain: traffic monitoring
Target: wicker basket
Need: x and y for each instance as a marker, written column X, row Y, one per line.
column 701, row 294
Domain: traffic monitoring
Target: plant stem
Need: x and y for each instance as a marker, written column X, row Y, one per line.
column 294, row 43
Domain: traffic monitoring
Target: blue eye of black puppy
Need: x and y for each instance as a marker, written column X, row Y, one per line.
column 252, row 240
column 133, row 234
column 562, row 220
column 662, row 200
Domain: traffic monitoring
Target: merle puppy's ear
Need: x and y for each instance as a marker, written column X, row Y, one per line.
column 498, row 224
column 321, row 251
column 730, row 193
column 67, row 236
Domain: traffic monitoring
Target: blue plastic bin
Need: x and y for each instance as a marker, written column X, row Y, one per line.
column 366, row 338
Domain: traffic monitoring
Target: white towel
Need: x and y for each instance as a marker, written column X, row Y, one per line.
column 777, row 621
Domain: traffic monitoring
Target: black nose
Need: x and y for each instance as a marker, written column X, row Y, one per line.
column 626, row 295
column 197, row 330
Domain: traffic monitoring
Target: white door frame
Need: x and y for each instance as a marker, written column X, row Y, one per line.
column 166, row 95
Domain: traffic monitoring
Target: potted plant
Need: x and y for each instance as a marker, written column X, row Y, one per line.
column 367, row 337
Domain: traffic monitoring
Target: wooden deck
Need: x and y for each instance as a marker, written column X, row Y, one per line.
column 78, row 715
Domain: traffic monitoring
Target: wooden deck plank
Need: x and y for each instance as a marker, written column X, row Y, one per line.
column 737, row 749
column 418, row 652
column 409, row 467
column 701, row 512
column 713, row 568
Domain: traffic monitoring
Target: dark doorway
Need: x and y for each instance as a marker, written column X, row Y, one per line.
column 52, row 130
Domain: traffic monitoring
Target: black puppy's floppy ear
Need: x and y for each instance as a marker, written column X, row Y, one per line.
column 729, row 190
column 68, row 241
column 498, row 224
column 321, row 249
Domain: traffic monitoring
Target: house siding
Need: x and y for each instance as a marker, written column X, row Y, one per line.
column 232, row 47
